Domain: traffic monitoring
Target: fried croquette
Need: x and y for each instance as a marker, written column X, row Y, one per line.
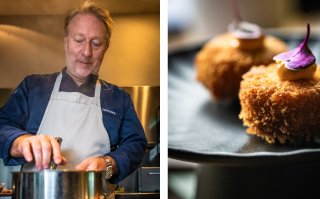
column 283, row 111
column 220, row 65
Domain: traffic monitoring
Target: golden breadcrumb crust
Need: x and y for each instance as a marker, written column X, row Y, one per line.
column 287, row 111
column 220, row 66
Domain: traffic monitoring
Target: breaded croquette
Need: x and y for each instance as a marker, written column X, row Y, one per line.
column 220, row 64
column 287, row 111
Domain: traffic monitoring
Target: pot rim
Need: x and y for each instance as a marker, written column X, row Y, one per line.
column 58, row 171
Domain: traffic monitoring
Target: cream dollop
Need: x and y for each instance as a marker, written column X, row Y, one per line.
column 247, row 36
column 299, row 63
column 247, row 44
column 286, row 74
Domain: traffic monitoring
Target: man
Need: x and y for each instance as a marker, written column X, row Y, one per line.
column 95, row 119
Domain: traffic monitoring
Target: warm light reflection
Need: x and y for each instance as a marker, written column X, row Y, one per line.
column 146, row 100
column 134, row 54
column 24, row 52
column 133, row 57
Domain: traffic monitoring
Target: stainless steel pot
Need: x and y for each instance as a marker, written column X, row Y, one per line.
column 57, row 184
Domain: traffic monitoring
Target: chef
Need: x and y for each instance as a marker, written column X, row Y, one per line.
column 95, row 119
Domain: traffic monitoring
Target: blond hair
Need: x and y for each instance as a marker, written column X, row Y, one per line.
column 90, row 7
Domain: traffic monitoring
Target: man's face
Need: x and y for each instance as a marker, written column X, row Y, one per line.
column 85, row 45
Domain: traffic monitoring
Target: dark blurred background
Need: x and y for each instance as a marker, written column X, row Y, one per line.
column 193, row 22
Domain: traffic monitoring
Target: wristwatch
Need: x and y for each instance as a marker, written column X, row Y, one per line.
column 109, row 171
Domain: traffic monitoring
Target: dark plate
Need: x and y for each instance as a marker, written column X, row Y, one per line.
column 200, row 130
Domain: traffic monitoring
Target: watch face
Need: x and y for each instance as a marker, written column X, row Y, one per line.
column 108, row 175
column 108, row 170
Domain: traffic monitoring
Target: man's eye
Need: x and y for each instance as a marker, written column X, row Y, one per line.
column 96, row 44
column 78, row 40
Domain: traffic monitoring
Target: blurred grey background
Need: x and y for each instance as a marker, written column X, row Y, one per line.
column 194, row 21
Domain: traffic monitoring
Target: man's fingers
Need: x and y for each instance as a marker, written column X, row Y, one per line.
column 82, row 166
column 41, row 149
column 46, row 151
column 64, row 161
column 26, row 150
column 91, row 164
column 85, row 164
column 56, row 152
column 37, row 152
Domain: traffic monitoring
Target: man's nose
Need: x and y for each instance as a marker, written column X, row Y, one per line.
column 87, row 50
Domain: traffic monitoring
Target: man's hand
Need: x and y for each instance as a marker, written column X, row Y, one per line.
column 91, row 164
column 37, row 148
column 97, row 163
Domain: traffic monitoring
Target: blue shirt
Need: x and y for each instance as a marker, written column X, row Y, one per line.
column 23, row 112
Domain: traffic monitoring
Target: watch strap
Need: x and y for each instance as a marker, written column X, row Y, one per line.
column 108, row 170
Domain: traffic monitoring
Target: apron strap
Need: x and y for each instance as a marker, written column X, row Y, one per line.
column 97, row 90
column 57, row 83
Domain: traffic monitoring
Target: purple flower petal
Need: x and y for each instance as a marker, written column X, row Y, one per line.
column 300, row 57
